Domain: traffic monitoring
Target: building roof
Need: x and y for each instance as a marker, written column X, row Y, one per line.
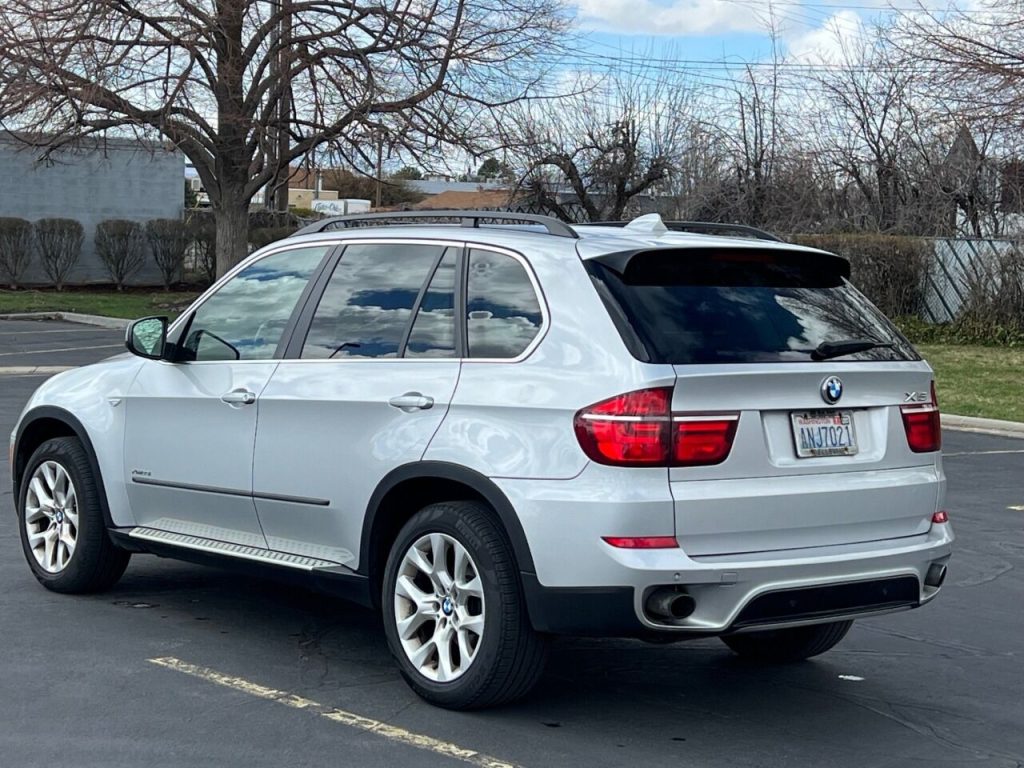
column 430, row 187
column 478, row 199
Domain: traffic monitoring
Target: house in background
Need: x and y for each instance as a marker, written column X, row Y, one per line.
column 97, row 180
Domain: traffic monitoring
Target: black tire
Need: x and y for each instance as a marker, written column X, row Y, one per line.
column 96, row 563
column 510, row 657
column 787, row 645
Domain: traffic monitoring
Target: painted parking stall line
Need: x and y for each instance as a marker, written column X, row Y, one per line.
column 386, row 731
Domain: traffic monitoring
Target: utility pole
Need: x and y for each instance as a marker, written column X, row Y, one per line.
column 380, row 164
column 284, row 108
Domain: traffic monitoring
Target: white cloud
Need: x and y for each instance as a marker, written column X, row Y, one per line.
column 827, row 43
column 676, row 17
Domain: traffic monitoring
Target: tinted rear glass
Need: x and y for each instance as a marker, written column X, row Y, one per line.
column 720, row 307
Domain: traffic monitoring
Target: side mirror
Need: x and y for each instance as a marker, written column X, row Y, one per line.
column 147, row 337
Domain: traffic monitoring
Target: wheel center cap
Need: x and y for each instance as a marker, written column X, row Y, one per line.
column 59, row 516
column 447, row 606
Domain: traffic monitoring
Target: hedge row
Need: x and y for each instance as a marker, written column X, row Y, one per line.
column 124, row 246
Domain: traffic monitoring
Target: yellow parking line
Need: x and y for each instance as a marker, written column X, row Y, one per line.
column 384, row 730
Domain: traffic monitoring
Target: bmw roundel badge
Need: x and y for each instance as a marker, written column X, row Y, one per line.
column 831, row 390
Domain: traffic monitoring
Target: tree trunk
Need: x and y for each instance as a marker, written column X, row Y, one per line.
column 232, row 222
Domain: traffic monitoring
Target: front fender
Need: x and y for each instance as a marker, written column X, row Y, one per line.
column 89, row 403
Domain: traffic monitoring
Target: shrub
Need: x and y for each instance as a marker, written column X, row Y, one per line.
column 15, row 249
column 267, row 235
column 121, row 245
column 890, row 270
column 59, row 242
column 202, row 230
column 993, row 307
column 168, row 240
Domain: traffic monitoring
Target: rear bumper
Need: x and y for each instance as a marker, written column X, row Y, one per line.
column 582, row 585
column 749, row 592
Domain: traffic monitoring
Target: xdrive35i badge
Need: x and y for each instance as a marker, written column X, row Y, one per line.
column 831, row 390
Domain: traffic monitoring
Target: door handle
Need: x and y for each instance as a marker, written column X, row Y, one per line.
column 412, row 401
column 239, row 397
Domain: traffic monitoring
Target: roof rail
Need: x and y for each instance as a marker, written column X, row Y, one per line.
column 706, row 228
column 469, row 219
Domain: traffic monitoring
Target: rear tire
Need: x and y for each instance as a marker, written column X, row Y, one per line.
column 788, row 645
column 65, row 538
column 473, row 612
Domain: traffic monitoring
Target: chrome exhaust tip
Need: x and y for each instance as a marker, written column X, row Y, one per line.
column 935, row 576
column 667, row 603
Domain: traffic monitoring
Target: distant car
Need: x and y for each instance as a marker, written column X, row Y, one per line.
column 492, row 433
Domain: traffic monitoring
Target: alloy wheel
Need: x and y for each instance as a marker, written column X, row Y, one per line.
column 51, row 516
column 439, row 607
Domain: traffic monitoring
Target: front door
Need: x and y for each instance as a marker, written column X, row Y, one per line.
column 191, row 424
column 360, row 394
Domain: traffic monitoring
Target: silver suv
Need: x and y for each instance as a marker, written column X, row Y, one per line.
column 492, row 432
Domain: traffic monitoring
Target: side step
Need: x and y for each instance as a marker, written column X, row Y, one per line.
column 241, row 551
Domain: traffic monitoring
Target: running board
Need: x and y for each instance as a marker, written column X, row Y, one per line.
column 241, row 551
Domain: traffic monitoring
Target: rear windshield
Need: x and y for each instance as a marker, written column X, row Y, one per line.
column 683, row 307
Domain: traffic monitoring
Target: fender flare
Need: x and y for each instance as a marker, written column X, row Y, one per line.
column 59, row 414
column 443, row 470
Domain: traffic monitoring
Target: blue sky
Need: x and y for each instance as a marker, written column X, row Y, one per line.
column 733, row 30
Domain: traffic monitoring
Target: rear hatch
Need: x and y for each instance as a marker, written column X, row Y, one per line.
column 819, row 381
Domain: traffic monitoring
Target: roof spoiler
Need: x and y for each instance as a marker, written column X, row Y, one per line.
column 619, row 261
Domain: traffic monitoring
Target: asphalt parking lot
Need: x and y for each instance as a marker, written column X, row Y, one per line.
column 182, row 665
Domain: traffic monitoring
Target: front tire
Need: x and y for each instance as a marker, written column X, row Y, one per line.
column 454, row 614
column 63, row 532
column 788, row 645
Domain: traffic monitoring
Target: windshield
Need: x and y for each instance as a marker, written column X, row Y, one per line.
column 722, row 307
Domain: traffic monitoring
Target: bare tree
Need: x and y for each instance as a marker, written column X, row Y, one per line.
column 211, row 76
column 976, row 57
column 615, row 139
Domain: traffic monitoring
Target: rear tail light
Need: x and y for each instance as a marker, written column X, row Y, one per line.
column 923, row 425
column 702, row 440
column 940, row 517
column 638, row 429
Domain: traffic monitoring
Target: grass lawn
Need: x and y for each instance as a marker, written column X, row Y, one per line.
column 978, row 381
column 131, row 303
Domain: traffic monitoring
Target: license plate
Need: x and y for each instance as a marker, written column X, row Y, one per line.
column 824, row 433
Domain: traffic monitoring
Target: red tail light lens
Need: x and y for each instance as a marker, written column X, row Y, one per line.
column 642, row 542
column 923, row 425
column 701, row 441
column 638, row 429
column 940, row 517
column 627, row 430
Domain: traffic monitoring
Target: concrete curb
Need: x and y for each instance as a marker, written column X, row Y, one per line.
column 34, row 370
column 114, row 323
column 984, row 426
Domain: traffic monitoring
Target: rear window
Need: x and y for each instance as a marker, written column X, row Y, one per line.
column 714, row 306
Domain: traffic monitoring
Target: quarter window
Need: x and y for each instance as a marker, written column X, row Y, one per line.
column 367, row 305
column 503, row 312
column 246, row 317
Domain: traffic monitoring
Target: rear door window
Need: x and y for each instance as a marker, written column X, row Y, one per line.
column 717, row 306
column 367, row 305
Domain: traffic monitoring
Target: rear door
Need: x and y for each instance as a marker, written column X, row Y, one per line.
column 365, row 384
column 820, row 455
